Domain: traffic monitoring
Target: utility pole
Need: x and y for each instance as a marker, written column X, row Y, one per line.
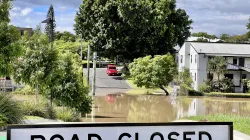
column 94, row 74
column 88, row 64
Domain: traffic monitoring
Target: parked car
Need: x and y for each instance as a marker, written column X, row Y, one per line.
column 111, row 70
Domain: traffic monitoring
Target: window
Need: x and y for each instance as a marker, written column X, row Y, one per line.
column 195, row 59
column 181, row 58
column 229, row 76
column 235, row 61
column 191, row 58
column 22, row 32
column 195, row 76
column 244, row 76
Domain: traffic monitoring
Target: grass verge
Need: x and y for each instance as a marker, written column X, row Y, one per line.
column 240, row 123
column 142, row 90
column 228, row 95
column 33, row 118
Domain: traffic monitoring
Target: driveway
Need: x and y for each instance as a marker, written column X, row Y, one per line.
column 108, row 84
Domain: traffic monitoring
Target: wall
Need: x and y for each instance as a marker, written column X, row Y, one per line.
column 202, row 69
column 194, row 67
column 184, row 51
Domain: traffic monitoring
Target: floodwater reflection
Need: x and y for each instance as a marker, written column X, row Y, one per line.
column 123, row 108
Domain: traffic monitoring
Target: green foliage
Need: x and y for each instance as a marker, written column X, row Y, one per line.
column 218, row 65
column 224, row 37
column 41, row 109
column 65, row 36
column 27, row 90
column 3, row 120
column 154, row 72
column 204, row 35
column 205, row 88
column 10, row 48
column 185, row 90
column 67, row 85
column 202, row 40
column 10, row 109
column 185, row 77
column 132, row 29
column 238, row 39
column 5, row 6
column 51, row 26
column 68, row 115
column 227, row 95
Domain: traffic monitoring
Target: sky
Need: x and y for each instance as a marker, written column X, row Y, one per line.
column 211, row 16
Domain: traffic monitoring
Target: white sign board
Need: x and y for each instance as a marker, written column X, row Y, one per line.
column 124, row 131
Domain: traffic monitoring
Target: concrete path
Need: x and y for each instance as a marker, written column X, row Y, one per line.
column 237, row 135
column 108, row 84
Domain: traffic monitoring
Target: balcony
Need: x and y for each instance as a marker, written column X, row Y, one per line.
column 232, row 67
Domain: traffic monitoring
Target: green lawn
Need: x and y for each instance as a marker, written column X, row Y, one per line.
column 143, row 90
column 228, row 95
column 33, row 117
column 239, row 123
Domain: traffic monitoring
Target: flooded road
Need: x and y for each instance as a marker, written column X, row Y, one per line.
column 123, row 108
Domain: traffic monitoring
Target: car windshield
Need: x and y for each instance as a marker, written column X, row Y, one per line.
column 112, row 68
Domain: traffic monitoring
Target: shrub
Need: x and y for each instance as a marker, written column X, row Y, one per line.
column 27, row 90
column 125, row 70
column 68, row 115
column 205, row 88
column 41, row 109
column 3, row 120
column 10, row 110
column 185, row 90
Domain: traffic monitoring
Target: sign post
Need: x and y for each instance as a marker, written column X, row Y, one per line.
column 124, row 131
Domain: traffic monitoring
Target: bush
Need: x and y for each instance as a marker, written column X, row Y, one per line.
column 185, row 90
column 205, row 88
column 41, row 109
column 125, row 70
column 3, row 120
column 68, row 115
column 10, row 110
column 27, row 90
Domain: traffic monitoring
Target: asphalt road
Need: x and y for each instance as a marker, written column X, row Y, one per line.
column 108, row 84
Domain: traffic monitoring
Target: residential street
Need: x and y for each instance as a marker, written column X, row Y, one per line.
column 108, row 84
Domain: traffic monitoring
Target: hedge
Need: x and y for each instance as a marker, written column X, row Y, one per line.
column 185, row 90
column 228, row 95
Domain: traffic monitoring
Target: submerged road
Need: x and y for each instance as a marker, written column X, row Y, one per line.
column 108, row 84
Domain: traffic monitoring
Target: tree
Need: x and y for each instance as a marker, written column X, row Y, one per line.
column 5, row 6
column 66, row 36
column 204, row 37
column 132, row 29
column 185, row 77
column 51, row 26
column 224, row 37
column 238, row 39
column 10, row 48
column 217, row 65
column 153, row 72
column 38, row 62
column 202, row 40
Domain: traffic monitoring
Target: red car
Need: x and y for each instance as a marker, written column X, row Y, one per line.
column 111, row 70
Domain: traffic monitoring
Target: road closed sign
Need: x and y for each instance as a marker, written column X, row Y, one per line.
column 124, row 131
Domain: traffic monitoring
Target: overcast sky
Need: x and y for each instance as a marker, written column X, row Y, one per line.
column 211, row 16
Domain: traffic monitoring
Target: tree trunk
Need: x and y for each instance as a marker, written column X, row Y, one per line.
column 162, row 87
column 36, row 93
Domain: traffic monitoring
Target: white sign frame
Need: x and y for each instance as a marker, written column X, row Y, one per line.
column 131, row 126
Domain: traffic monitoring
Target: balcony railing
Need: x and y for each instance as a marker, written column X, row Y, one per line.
column 232, row 67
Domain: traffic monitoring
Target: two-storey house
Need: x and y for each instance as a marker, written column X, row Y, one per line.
column 195, row 56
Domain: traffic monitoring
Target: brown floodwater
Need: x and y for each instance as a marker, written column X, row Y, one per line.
column 124, row 108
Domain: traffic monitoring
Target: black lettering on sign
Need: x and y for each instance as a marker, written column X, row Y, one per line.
column 94, row 135
column 156, row 134
column 171, row 134
column 75, row 137
column 204, row 133
column 188, row 133
column 57, row 136
column 124, row 134
column 36, row 137
column 136, row 136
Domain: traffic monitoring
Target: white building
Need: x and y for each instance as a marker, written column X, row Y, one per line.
column 195, row 56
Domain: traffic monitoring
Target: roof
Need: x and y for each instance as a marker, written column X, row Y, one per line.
column 225, row 49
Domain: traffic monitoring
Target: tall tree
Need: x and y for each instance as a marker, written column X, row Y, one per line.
column 66, row 36
column 51, row 26
column 10, row 47
column 132, row 29
column 5, row 6
column 224, row 37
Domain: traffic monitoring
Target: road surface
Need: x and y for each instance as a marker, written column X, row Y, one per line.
column 108, row 84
